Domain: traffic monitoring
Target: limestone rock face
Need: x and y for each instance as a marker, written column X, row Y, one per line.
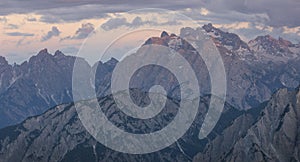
column 273, row 136
column 34, row 86
column 58, row 135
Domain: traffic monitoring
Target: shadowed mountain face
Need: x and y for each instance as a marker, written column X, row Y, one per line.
column 41, row 83
column 34, row 86
column 273, row 136
column 267, row 133
column 58, row 135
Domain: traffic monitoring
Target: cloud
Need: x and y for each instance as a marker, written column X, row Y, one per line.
column 204, row 11
column 31, row 19
column 114, row 23
column 225, row 17
column 237, row 25
column 137, row 21
column 104, row 6
column 82, row 32
column 53, row 33
column 173, row 22
column 17, row 34
column 50, row 19
column 72, row 14
column 280, row 13
column 248, row 31
column 118, row 22
column 12, row 26
column 22, row 42
column 3, row 19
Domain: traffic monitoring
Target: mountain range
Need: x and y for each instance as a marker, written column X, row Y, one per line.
column 259, row 121
column 266, row 133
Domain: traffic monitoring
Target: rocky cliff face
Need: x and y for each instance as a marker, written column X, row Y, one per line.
column 6, row 74
column 34, row 86
column 267, row 133
column 272, row 136
column 250, row 73
column 275, row 47
column 58, row 135
column 230, row 41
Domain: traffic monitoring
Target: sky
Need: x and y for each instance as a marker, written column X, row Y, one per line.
column 29, row 26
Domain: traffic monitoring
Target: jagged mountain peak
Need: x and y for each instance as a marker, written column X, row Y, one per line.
column 173, row 41
column 34, row 86
column 43, row 52
column 272, row 46
column 264, row 38
column 210, row 28
column 48, row 58
column 112, row 62
column 230, row 41
column 58, row 53
column 3, row 61
column 263, row 47
column 164, row 34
